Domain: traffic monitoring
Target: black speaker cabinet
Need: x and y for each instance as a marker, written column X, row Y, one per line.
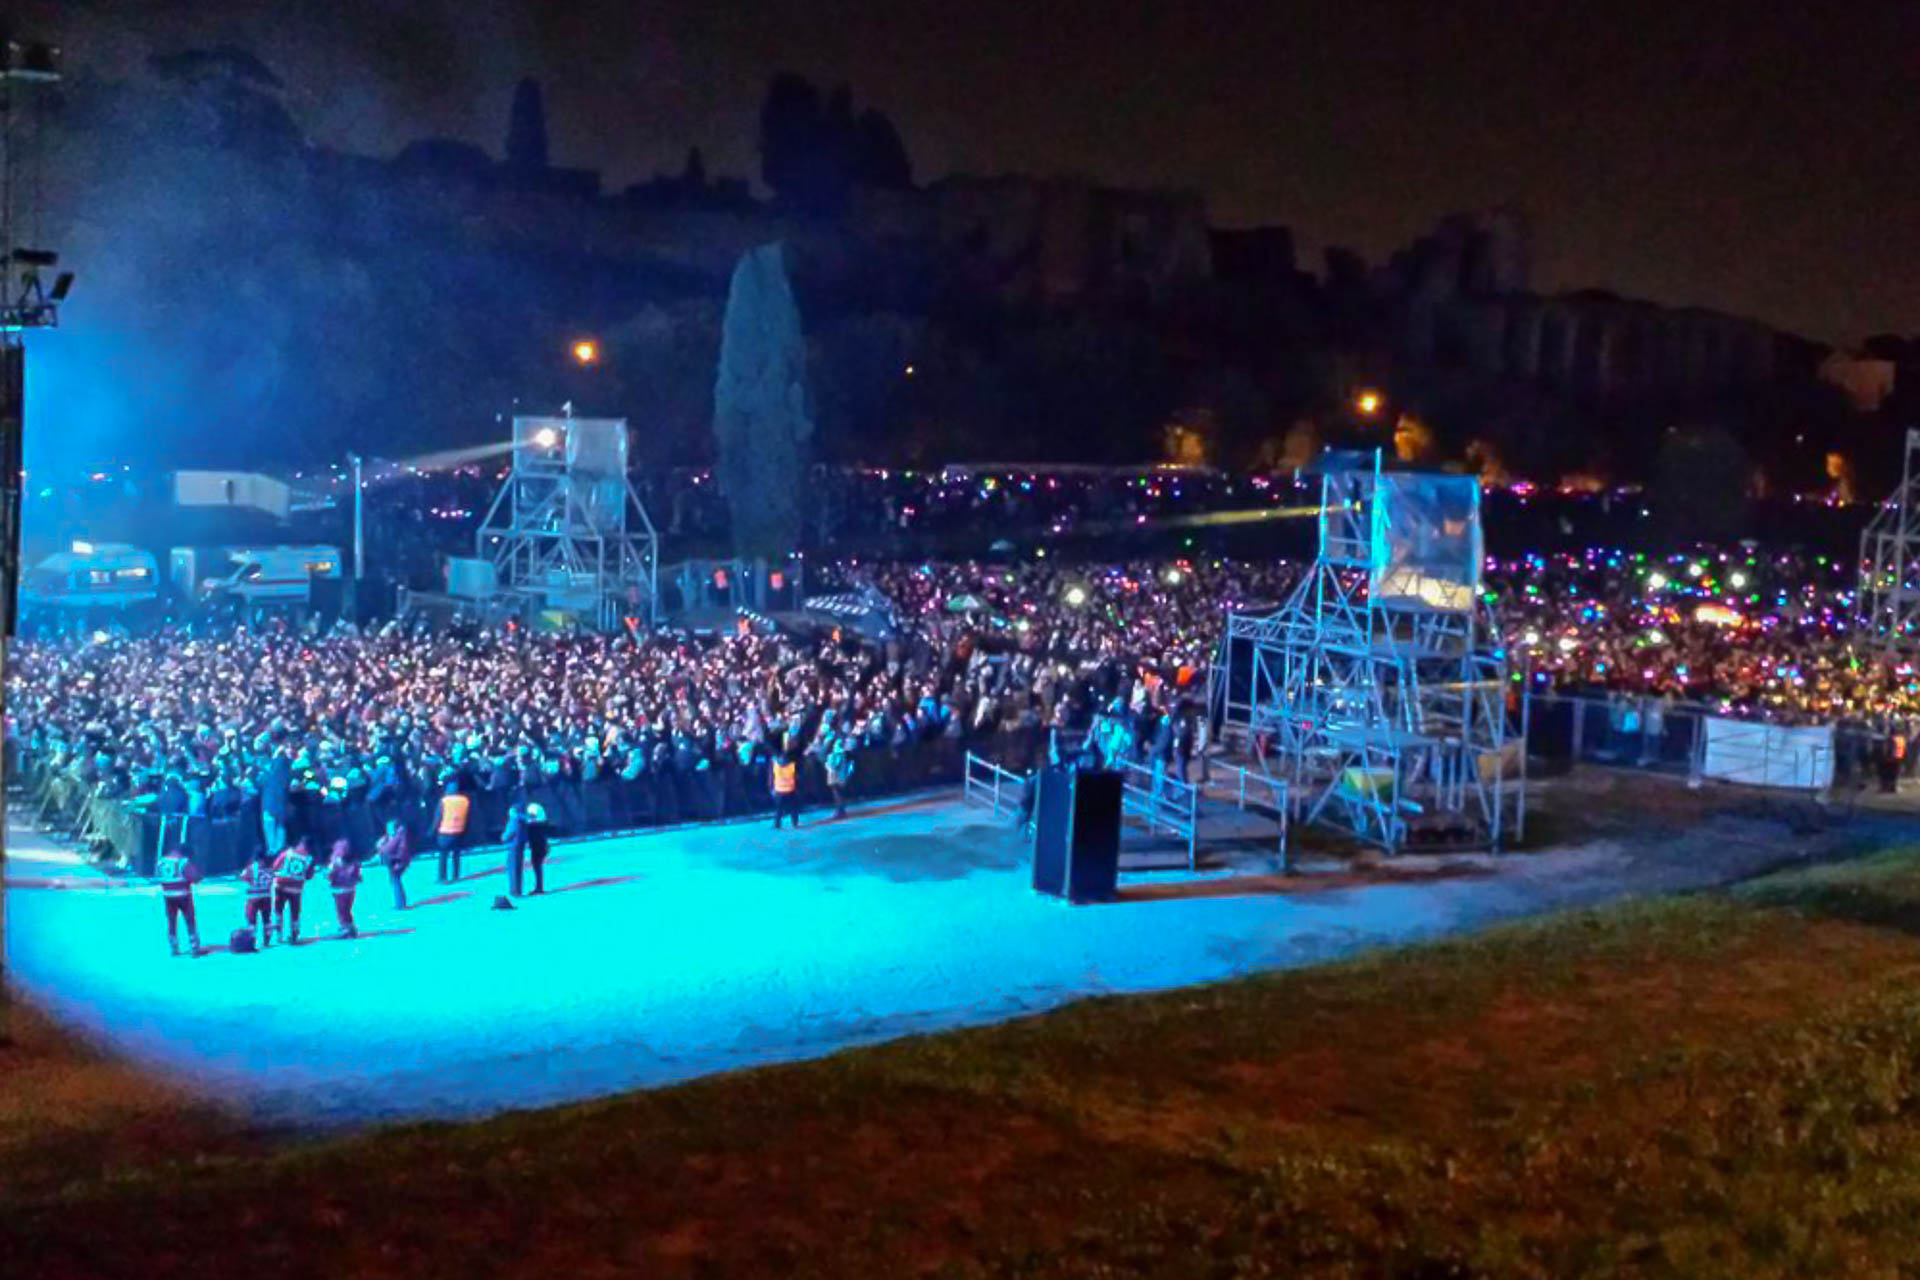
column 1076, row 835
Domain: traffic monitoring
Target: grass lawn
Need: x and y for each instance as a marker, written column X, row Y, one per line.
column 1721, row 1085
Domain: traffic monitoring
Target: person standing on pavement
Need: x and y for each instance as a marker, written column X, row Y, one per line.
column 450, row 827
column 177, row 875
column 785, row 784
column 395, row 856
column 291, row 871
column 257, row 876
column 526, row 834
column 343, row 874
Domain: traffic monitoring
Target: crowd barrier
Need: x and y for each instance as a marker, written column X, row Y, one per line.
column 1666, row 737
column 61, row 802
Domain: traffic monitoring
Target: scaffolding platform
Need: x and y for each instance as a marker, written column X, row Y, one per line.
column 1379, row 689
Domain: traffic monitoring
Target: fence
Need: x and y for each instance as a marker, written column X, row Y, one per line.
column 988, row 783
column 1667, row 737
column 1161, row 800
column 63, row 803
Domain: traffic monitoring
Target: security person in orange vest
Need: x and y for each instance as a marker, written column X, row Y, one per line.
column 786, row 789
column 450, row 827
column 177, row 876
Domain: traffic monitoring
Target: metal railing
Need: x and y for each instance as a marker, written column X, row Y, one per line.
column 987, row 782
column 1162, row 800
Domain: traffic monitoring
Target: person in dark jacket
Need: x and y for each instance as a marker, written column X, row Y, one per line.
column 395, row 855
column 527, row 835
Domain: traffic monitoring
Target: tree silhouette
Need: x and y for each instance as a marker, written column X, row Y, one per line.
column 761, row 421
column 881, row 158
column 813, row 153
column 527, row 128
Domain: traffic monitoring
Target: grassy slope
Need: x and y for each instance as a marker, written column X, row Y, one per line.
column 1714, row 1086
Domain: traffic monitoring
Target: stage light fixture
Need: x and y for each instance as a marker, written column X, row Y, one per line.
column 546, row 437
column 62, row 286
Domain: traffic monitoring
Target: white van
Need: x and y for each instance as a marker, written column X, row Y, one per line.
column 254, row 575
column 106, row 575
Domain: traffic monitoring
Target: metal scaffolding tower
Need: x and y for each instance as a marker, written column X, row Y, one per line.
column 567, row 527
column 1379, row 688
column 1889, row 601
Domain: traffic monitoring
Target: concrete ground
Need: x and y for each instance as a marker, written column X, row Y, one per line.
column 664, row 956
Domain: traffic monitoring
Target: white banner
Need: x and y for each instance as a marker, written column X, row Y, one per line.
column 1767, row 755
column 231, row 489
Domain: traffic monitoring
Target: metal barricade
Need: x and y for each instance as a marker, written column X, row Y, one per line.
column 986, row 782
column 1162, row 801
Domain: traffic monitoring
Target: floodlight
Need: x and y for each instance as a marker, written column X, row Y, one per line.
column 546, row 437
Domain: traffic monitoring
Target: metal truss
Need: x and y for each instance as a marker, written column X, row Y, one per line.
column 1889, row 599
column 567, row 526
column 1385, row 716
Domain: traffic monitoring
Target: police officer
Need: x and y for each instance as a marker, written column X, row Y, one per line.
column 177, row 876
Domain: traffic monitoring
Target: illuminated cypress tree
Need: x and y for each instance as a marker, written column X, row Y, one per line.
column 761, row 421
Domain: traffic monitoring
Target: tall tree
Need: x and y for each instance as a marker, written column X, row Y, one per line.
column 880, row 157
column 527, row 128
column 790, row 126
column 762, row 424
column 693, row 174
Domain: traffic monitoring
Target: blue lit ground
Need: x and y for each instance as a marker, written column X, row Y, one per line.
column 674, row 954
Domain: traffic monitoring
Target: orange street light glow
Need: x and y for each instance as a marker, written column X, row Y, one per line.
column 586, row 351
column 1368, row 403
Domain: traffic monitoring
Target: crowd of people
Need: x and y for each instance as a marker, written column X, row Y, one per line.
column 303, row 724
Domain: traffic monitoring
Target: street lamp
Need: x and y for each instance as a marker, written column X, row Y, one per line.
column 586, row 351
column 1367, row 403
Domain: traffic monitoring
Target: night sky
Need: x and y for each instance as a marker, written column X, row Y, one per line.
column 1691, row 151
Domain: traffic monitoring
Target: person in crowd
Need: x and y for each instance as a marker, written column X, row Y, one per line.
column 396, row 856
column 291, row 871
column 177, row 875
column 343, row 877
column 276, row 784
column 450, row 827
column 257, row 879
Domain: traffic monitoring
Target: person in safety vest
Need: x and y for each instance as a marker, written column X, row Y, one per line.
column 257, row 877
column 450, row 827
column 786, row 789
column 291, row 871
column 177, row 876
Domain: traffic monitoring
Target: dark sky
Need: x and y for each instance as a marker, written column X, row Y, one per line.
column 1759, row 157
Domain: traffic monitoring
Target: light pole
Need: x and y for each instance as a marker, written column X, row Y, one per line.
column 359, row 535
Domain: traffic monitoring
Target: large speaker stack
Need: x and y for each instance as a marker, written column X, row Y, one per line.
column 1076, row 835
